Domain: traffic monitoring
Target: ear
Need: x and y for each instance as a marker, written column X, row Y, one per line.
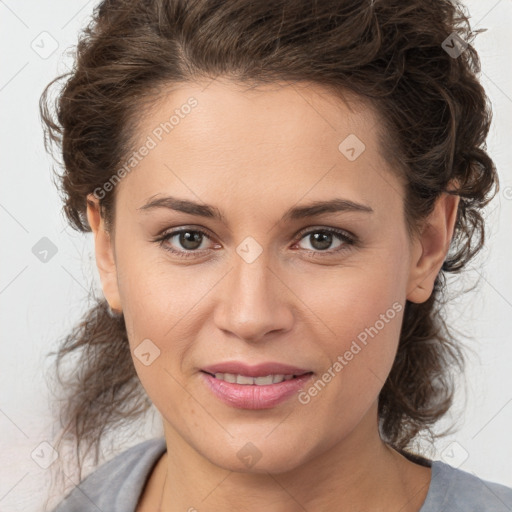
column 430, row 249
column 104, row 250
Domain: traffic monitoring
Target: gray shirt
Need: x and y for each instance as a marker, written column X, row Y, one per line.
column 117, row 485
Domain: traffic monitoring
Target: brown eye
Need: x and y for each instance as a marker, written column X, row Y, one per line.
column 321, row 240
column 187, row 241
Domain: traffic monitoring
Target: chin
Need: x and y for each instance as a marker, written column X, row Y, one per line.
column 257, row 457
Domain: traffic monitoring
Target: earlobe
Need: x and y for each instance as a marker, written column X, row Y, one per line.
column 104, row 251
column 430, row 250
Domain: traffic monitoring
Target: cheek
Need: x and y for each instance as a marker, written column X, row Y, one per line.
column 162, row 303
column 347, row 302
column 359, row 312
column 159, row 316
column 154, row 292
column 364, row 319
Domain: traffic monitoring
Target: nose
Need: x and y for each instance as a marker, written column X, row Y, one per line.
column 254, row 301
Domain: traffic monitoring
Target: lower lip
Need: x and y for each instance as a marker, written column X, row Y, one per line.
column 247, row 396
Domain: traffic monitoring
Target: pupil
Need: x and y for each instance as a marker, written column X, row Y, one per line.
column 326, row 240
column 185, row 239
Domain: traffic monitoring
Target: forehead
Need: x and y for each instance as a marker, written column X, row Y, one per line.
column 275, row 115
column 282, row 141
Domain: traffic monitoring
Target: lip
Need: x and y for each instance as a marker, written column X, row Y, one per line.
column 259, row 370
column 247, row 396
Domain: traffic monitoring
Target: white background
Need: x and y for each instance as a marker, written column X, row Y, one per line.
column 40, row 302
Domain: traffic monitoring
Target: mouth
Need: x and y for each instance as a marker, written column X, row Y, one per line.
column 251, row 393
column 267, row 380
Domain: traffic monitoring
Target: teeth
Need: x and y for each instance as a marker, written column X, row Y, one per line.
column 258, row 381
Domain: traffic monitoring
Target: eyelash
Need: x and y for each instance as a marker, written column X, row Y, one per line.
column 349, row 240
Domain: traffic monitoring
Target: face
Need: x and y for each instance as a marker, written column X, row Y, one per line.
column 322, row 292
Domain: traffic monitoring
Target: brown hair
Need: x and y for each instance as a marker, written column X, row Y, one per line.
column 434, row 115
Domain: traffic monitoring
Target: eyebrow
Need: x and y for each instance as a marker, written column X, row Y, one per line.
column 295, row 213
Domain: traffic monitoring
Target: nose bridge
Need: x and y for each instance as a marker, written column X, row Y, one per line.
column 253, row 304
column 252, row 271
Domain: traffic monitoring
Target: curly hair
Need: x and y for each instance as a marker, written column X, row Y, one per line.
column 434, row 115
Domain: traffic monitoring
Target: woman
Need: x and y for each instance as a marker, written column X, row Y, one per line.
column 276, row 191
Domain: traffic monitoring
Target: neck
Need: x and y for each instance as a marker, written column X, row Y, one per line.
column 361, row 471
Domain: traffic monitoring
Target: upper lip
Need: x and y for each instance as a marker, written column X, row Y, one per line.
column 259, row 370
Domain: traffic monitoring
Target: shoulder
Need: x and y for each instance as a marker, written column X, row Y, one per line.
column 457, row 490
column 117, row 484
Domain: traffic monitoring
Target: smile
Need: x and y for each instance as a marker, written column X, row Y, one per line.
column 257, row 381
column 264, row 392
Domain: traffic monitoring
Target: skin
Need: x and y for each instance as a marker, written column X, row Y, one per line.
column 253, row 154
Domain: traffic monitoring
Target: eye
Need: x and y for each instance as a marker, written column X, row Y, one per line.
column 191, row 240
column 320, row 239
